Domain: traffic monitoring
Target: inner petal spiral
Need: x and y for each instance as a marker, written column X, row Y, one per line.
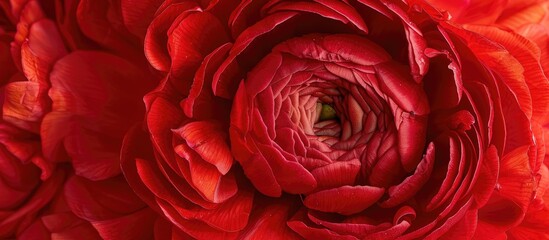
column 328, row 115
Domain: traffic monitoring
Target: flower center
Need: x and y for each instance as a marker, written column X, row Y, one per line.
column 318, row 104
column 327, row 112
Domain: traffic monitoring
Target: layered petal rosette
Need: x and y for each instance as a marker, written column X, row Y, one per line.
column 351, row 120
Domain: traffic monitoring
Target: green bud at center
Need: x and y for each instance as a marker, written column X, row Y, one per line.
column 327, row 113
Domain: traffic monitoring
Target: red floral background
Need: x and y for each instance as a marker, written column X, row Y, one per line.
column 274, row 119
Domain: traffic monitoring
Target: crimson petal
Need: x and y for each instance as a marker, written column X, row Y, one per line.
column 345, row 200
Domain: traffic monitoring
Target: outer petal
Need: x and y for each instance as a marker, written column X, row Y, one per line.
column 90, row 116
column 528, row 54
column 111, row 207
column 268, row 220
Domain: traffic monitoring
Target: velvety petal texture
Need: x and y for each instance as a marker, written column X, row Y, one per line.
column 393, row 120
column 274, row 119
column 64, row 117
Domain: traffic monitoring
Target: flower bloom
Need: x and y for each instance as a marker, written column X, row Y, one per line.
column 314, row 119
column 349, row 119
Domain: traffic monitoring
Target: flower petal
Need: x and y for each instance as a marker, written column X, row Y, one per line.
column 412, row 184
column 336, row 174
column 344, row 200
column 209, row 140
column 86, row 117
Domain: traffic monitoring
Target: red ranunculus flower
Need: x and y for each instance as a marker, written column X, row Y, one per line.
column 352, row 119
